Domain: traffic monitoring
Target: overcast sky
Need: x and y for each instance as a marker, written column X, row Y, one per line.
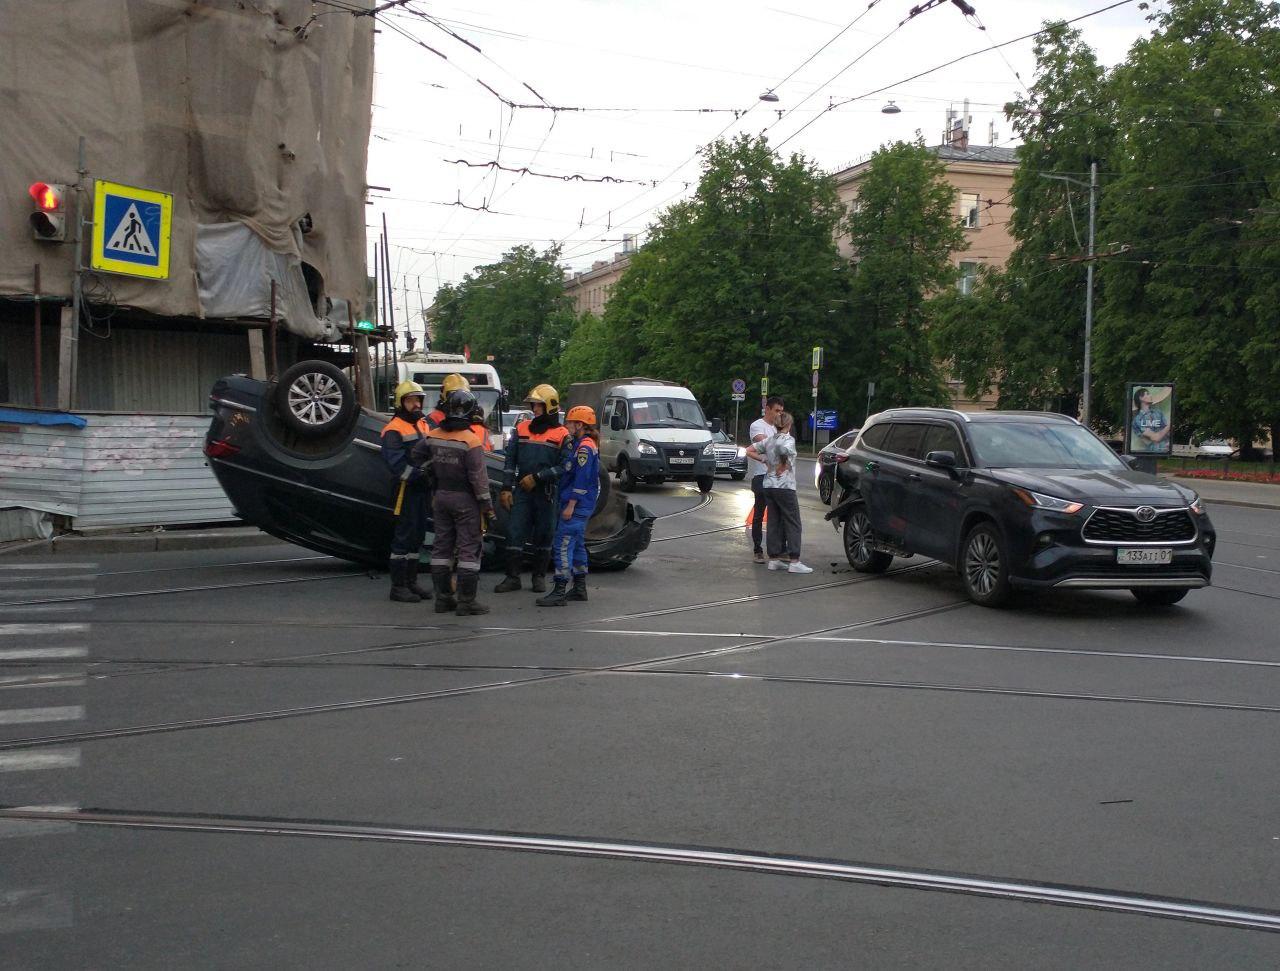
column 653, row 57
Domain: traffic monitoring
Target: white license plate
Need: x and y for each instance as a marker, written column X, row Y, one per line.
column 1145, row 557
column 677, row 460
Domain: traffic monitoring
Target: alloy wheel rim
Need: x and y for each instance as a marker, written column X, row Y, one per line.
column 982, row 564
column 315, row 398
column 860, row 538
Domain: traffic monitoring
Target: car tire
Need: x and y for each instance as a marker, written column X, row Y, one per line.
column 606, row 488
column 627, row 480
column 859, row 540
column 1158, row 596
column 984, row 566
column 313, row 399
column 706, row 483
column 737, row 476
column 826, row 486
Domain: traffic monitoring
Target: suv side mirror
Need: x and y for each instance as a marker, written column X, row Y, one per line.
column 617, row 423
column 941, row 460
column 1130, row 460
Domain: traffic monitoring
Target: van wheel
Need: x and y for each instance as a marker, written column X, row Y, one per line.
column 859, row 544
column 314, row 398
column 1158, row 596
column 705, row 483
column 627, row 481
column 984, row 566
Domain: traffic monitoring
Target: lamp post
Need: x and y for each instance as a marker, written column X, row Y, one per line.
column 1092, row 186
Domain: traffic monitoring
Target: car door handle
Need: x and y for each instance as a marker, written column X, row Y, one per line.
column 913, row 477
column 873, row 466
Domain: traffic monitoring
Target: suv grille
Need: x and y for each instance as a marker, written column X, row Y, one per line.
column 1122, row 526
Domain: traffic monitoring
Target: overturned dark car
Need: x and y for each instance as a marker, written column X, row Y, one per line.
column 301, row 460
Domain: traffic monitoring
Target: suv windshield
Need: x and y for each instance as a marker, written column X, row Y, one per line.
column 666, row 413
column 1037, row 445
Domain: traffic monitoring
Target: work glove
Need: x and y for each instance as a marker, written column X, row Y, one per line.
column 528, row 483
column 506, row 499
column 486, row 516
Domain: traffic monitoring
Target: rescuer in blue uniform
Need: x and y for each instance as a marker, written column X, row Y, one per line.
column 534, row 446
column 579, row 476
column 411, row 498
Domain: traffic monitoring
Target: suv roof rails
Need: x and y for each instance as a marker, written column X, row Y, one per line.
column 962, row 415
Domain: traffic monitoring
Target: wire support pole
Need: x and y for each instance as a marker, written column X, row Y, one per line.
column 1087, row 391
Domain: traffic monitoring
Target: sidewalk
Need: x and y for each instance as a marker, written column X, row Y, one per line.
column 93, row 544
column 1257, row 495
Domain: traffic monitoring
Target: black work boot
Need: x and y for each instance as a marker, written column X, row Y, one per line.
column 557, row 597
column 467, row 583
column 579, row 591
column 512, row 581
column 400, row 591
column 441, row 577
column 538, row 579
column 412, row 577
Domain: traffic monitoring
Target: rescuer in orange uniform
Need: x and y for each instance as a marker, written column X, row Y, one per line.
column 406, row 428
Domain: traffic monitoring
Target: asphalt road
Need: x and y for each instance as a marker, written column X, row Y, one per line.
column 250, row 758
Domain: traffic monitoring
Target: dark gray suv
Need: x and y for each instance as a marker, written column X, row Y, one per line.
column 1019, row 500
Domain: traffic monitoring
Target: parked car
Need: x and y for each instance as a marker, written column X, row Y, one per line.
column 1215, row 448
column 301, row 460
column 829, row 457
column 650, row 431
column 1013, row 500
column 731, row 458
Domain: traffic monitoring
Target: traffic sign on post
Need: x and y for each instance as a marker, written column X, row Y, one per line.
column 815, row 382
column 739, row 397
column 817, row 358
column 131, row 230
column 739, row 386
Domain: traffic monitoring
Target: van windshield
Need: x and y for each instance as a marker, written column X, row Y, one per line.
column 666, row 413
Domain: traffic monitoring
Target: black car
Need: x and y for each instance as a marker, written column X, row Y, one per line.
column 299, row 459
column 731, row 458
column 1019, row 500
column 826, row 469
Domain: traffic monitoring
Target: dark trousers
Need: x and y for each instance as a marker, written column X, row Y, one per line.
column 411, row 523
column 458, row 532
column 784, row 523
column 532, row 520
column 757, row 513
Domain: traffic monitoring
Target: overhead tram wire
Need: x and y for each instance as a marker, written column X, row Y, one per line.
column 954, row 60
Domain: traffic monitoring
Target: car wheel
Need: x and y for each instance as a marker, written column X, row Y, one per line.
column 737, row 476
column 826, row 486
column 1158, row 596
column 859, row 544
column 314, row 399
column 984, row 566
column 606, row 487
column 705, row 483
column 627, row 481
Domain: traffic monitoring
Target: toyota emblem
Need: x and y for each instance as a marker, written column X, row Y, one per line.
column 1144, row 514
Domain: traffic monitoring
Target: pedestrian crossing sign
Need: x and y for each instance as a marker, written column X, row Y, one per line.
column 131, row 230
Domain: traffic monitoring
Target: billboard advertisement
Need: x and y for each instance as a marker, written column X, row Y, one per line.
column 1149, row 422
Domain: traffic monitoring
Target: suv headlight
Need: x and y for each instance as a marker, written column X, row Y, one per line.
column 644, row 448
column 709, row 449
column 1039, row 501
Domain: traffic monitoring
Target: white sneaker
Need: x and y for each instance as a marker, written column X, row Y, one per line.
column 798, row 567
column 777, row 564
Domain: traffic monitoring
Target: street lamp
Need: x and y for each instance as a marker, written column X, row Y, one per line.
column 1092, row 186
column 769, row 96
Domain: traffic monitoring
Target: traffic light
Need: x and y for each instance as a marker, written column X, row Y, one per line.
column 49, row 220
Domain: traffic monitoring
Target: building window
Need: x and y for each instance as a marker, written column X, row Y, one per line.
column 969, row 210
column 967, row 278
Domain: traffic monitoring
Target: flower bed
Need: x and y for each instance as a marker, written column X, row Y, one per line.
column 1270, row 478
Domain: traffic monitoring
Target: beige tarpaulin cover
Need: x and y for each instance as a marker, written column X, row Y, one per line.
column 226, row 104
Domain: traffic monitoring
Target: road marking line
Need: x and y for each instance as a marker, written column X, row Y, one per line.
column 20, row 681
column 26, row 630
column 36, row 759
column 42, row 608
column 30, row 716
column 40, row 653
column 19, row 828
column 48, row 566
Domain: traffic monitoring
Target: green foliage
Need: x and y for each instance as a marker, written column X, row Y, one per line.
column 585, row 357
column 903, row 230
column 1192, row 296
column 514, row 309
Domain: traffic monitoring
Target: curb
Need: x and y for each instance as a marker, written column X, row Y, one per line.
column 157, row 542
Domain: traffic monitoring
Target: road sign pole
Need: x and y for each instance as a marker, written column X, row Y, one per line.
column 736, row 405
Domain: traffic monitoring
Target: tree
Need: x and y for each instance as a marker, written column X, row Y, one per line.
column 585, row 357
column 903, row 230
column 743, row 273
column 515, row 310
column 1185, row 295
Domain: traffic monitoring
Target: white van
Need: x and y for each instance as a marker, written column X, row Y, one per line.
column 650, row 431
column 429, row 370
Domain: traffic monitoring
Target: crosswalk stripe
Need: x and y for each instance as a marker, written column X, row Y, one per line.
column 28, row 630
column 36, row 759
column 40, row 653
column 30, row 716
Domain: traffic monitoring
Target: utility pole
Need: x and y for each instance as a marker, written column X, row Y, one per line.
column 1092, row 186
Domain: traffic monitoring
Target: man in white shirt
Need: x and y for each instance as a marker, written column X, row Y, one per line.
column 761, row 429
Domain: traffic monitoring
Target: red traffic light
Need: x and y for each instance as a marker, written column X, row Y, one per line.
column 47, row 197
